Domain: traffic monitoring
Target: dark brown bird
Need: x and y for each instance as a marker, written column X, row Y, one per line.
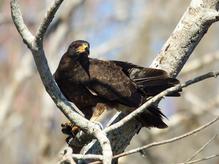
column 90, row 83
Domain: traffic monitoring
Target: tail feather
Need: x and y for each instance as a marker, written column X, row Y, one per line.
column 152, row 117
column 150, row 82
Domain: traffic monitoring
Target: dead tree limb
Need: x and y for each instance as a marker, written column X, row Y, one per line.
column 195, row 22
column 35, row 44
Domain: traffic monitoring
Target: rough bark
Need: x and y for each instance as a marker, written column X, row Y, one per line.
column 195, row 22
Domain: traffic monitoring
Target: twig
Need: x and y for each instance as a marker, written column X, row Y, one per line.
column 19, row 23
column 193, row 25
column 87, row 156
column 158, row 97
column 200, row 160
column 168, row 140
column 201, row 149
column 66, row 157
column 34, row 43
column 47, row 20
column 178, row 119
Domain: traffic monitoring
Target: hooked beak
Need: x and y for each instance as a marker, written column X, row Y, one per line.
column 84, row 48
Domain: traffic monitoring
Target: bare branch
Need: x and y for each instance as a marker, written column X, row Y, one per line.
column 202, row 159
column 201, row 149
column 195, row 22
column 168, row 140
column 178, row 119
column 47, row 20
column 158, row 97
column 36, row 46
column 19, row 23
column 87, row 156
column 67, row 155
column 192, row 27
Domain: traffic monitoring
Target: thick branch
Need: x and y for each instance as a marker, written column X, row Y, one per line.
column 48, row 81
column 191, row 28
column 159, row 97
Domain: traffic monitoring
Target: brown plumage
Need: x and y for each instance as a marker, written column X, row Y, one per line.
column 88, row 82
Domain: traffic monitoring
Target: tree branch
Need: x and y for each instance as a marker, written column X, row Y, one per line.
column 158, row 97
column 202, row 159
column 87, row 156
column 36, row 47
column 47, row 20
column 195, row 22
column 19, row 23
column 168, row 140
column 201, row 149
column 193, row 25
column 179, row 119
column 171, row 140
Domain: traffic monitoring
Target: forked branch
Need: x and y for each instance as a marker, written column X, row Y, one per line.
column 35, row 44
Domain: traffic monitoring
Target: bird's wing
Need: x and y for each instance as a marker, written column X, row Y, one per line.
column 136, row 72
column 151, row 81
column 108, row 81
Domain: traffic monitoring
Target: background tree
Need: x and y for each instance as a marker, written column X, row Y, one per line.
column 145, row 26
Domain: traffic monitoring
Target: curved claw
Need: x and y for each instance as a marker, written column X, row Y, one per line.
column 70, row 129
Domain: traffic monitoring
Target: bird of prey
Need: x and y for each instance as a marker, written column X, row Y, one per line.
column 91, row 83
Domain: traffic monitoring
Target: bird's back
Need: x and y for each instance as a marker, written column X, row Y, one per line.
column 87, row 82
column 109, row 81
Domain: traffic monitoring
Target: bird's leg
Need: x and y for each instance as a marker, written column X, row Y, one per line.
column 98, row 111
column 70, row 129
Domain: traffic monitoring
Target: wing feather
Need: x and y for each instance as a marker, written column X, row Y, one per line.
column 151, row 81
column 108, row 81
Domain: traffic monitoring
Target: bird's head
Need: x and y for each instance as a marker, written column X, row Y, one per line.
column 79, row 48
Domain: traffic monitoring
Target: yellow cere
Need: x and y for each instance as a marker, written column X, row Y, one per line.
column 82, row 48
